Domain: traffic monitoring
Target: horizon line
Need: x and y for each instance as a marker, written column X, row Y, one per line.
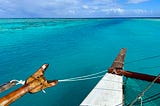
column 79, row 17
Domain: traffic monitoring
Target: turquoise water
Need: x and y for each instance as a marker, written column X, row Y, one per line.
column 73, row 47
column 133, row 87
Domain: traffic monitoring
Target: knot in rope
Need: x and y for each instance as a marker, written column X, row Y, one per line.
column 18, row 82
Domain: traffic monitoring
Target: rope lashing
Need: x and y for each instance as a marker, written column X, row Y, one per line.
column 141, row 100
column 10, row 84
column 18, row 82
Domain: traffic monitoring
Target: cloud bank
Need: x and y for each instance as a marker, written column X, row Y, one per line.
column 72, row 8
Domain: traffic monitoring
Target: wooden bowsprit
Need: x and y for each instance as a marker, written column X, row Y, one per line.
column 119, row 61
column 35, row 83
column 117, row 68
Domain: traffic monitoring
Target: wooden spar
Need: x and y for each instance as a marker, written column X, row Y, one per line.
column 117, row 68
column 6, row 100
column 33, row 84
column 119, row 61
column 7, row 86
column 135, row 75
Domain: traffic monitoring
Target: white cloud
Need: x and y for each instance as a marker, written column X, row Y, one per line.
column 38, row 8
column 85, row 7
column 137, row 12
column 113, row 10
column 94, row 7
column 71, row 11
column 140, row 11
column 137, row 1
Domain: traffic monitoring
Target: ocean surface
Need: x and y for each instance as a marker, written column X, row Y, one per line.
column 73, row 47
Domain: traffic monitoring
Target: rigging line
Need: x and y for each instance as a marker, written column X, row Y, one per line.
column 146, row 58
column 142, row 68
column 89, row 75
column 141, row 100
column 158, row 94
column 146, row 89
column 151, row 98
column 81, row 79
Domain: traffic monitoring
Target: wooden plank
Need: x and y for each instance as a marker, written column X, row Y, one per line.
column 108, row 92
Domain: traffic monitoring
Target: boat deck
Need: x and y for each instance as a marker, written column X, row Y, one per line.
column 108, row 92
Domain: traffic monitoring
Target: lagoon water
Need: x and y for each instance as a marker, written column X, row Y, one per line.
column 73, row 47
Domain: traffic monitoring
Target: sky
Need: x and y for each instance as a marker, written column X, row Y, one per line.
column 78, row 8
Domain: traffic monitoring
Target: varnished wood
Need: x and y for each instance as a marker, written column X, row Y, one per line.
column 34, row 83
column 119, row 61
column 7, row 85
column 6, row 100
column 135, row 75
column 117, row 68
